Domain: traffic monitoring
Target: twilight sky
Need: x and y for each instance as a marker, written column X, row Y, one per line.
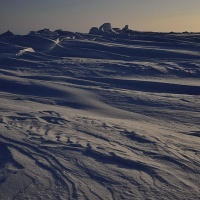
column 22, row 16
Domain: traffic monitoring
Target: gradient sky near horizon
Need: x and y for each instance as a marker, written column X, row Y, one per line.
column 22, row 16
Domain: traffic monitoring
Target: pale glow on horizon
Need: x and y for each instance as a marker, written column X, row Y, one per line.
column 153, row 15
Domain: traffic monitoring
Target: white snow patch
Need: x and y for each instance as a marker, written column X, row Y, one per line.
column 21, row 52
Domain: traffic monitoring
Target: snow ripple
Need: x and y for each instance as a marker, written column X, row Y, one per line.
column 105, row 118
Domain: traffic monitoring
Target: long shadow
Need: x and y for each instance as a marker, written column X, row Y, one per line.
column 5, row 155
column 148, row 86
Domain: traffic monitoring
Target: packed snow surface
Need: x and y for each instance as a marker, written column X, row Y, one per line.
column 106, row 116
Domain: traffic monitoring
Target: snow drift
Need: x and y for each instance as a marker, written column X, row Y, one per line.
column 99, row 116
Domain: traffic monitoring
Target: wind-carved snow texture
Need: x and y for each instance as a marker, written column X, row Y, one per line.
column 100, row 116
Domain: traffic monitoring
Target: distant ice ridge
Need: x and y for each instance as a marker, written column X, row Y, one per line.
column 44, row 32
column 107, row 28
column 7, row 34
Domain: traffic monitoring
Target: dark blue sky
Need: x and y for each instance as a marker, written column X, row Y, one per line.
column 21, row 16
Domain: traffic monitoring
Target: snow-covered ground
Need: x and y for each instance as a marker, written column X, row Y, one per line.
column 107, row 116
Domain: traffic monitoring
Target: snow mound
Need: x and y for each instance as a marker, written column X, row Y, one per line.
column 104, row 28
column 95, row 30
column 36, row 42
column 9, row 50
column 7, row 34
column 44, row 32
